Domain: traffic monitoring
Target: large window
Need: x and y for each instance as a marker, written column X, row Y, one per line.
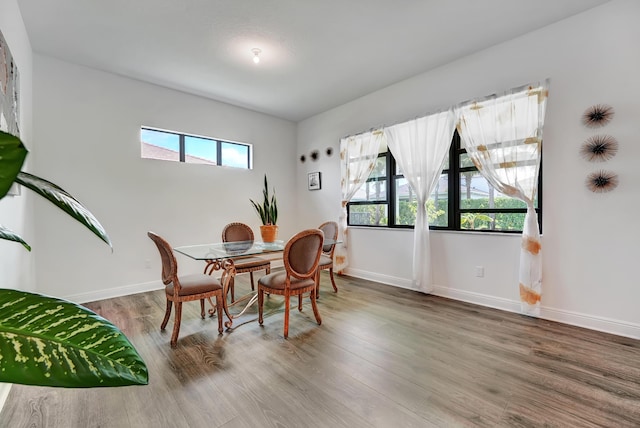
column 174, row 146
column 462, row 199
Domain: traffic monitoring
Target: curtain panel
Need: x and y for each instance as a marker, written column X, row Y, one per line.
column 503, row 137
column 358, row 154
column 420, row 147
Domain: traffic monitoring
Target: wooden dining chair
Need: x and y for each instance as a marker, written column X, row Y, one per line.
column 300, row 275
column 184, row 288
column 234, row 232
column 330, row 230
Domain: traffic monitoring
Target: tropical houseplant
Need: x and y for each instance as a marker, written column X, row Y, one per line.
column 268, row 213
column 49, row 341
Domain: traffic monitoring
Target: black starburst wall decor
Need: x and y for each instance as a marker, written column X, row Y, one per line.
column 597, row 116
column 599, row 148
column 602, row 181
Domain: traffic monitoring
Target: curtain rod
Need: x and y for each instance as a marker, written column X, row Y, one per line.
column 395, row 123
column 544, row 82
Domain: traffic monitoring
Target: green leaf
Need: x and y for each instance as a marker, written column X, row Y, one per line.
column 65, row 202
column 53, row 342
column 12, row 236
column 12, row 156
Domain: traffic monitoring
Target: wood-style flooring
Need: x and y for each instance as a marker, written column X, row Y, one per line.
column 383, row 357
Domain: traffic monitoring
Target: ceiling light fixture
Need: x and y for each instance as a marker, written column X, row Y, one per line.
column 256, row 55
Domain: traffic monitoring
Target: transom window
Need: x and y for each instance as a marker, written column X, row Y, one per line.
column 462, row 200
column 179, row 147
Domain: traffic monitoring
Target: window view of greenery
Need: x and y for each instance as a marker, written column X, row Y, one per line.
column 177, row 147
column 387, row 200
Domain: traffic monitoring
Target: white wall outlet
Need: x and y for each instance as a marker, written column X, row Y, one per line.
column 479, row 271
column 147, row 264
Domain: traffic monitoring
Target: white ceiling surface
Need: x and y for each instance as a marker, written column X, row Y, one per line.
column 316, row 55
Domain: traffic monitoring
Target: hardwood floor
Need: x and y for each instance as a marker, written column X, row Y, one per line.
column 383, row 357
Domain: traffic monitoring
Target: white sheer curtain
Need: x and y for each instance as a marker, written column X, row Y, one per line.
column 503, row 137
column 420, row 148
column 358, row 155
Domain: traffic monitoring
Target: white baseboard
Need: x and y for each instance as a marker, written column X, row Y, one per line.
column 115, row 292
column 606, row 325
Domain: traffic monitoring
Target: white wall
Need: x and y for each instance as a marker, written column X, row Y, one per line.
column 590, row 240
column 16, row 263
column 87, row 125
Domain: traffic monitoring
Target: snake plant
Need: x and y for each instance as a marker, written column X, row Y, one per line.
column 49, row 341
column 268, row 210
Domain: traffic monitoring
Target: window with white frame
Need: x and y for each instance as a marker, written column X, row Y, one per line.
column 179, row 147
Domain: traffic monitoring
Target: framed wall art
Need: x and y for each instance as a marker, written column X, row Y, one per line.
column 314, row 181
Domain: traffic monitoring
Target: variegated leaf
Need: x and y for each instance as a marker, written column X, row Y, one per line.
column 63, row 200
column 12, row 236
column 12, row 156
column 53, row 342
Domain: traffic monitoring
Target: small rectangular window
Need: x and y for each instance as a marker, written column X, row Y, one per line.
column 179, row 147
column 200, row 150
column 160, row 145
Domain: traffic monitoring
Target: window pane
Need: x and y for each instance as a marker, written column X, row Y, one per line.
column 368, row 215
column 380, row 168
column 492, row 221
column 372, row 191
column 465, row 161
column 235, row 155
column 476, row 192
column 160, row 145
column 438, row 203
column 200, row 150
column 406, row 204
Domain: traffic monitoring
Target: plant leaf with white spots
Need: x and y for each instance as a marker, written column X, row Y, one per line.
column 53, row 342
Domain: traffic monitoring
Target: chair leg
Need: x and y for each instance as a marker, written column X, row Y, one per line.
column 167, row 314
column 286, row 316
column 333, row 282
column 176, row 324
column 316, row 313
column 219, row 307
column 251, row 276
column 300, row 302
column 202, row 308
column 260, row 303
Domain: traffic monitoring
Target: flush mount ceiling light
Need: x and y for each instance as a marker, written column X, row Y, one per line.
column 256, row 55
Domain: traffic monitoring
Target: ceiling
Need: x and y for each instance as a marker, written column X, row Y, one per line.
column 316, row 55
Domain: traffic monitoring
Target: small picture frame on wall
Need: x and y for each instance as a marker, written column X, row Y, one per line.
column 314, row 181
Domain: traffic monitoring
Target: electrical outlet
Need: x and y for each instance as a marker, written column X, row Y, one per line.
column 479, row 271
column 147, row 264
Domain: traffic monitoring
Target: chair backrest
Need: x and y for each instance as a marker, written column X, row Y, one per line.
column 330, row 230
column 237, row 232
column 302, row 253
column 169, row 263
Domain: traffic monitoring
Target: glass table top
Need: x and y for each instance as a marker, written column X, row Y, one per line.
column 222, row 250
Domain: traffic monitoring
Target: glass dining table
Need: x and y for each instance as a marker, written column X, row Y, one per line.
column 222, row 256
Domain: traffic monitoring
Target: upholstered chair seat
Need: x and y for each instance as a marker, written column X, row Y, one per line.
column 179, row 289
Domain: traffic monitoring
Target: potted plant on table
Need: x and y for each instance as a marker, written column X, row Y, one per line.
column 268, row 212
column 49, row 341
